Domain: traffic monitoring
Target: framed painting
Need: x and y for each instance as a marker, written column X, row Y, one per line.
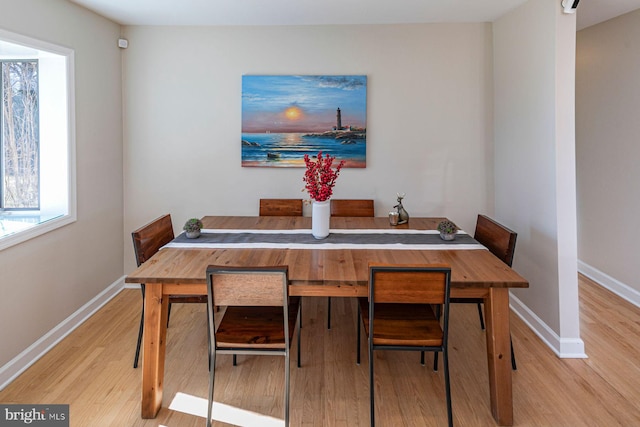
column 286, row 117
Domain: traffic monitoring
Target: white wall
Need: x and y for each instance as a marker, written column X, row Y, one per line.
column 430, row 134
column 45, row 280
column 534, row 51
column 608, row 149
column 429, row 117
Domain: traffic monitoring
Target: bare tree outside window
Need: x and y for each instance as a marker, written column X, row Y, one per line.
column 20, row 154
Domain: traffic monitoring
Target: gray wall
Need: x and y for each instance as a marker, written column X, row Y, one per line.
column 46, row 279
column 534, row 54
column 430, row 126
column 608, row 151
column 429, row 117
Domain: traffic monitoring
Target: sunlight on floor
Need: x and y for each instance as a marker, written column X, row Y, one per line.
column 228, row 414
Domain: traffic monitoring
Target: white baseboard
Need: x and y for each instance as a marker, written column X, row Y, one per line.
column 35, row 351
column 565, row 348
column 624, row 291
column 573, row 347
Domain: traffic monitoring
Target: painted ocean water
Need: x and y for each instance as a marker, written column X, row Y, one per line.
column 288, row 149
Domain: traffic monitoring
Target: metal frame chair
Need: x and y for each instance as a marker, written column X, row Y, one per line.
column 260, row 317
column 280, row 207
column 400, row 314
column 352, row 207
column 346, row 208
column 147, row 240
column 501, row 241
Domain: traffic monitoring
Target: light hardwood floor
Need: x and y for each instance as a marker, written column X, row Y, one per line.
column 92, row 371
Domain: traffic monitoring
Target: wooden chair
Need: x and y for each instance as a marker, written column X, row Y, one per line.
column 349, row 207
column 501, row 241
column 280, row 207
column 352, row 207
column 260, row 317
column 399, row 314
column 147, row 240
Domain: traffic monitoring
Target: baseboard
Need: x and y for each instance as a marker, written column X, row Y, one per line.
column 565, row 348
column 573, row 347
column 624, row 291
column 35, row 351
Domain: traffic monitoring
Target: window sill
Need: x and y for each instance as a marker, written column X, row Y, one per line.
column 17, row 227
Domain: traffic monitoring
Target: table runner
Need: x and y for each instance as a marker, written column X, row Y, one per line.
column 403, row 239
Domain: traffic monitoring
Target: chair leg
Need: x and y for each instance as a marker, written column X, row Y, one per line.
column 299, row 327
column 481, row 316
column 328, row 312
column 447, row 385
column 140, row 330
column 235, row 361
column 212, row 371
column 371, row 387
column 168, row 315
column 209, row 338
column 435, row 353
column 287, row 375
column 422, row 358
column 358, row 339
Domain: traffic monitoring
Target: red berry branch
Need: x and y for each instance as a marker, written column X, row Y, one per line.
column 319, row 177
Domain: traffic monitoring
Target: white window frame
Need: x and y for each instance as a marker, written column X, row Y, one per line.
column 57, row 137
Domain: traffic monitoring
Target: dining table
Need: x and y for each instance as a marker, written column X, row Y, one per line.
column 334, row 267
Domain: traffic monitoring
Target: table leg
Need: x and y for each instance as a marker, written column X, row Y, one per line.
column 499, row 355
column 154, row 343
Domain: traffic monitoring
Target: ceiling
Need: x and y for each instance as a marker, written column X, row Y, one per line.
column 315, row 12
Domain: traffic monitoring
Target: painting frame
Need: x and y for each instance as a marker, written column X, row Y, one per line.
column 285, row 117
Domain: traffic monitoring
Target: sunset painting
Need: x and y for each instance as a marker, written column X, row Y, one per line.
column 286, row 117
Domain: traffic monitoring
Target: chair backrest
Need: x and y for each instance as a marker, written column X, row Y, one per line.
column 248, row 286
column 409, row 284
column 500, row 240
column 280, row 207
column 148, row 239
column 352, row 207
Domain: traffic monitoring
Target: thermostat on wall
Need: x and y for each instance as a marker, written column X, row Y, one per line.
column 123, row 43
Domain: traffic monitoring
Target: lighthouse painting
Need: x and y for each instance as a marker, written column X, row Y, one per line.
column 286, row 117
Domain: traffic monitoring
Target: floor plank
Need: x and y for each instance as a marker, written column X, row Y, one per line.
column 92, row 371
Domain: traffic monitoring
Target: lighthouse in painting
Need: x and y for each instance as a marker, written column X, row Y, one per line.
column 338, row 120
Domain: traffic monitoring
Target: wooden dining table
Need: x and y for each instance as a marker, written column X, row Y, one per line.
column 324, row 272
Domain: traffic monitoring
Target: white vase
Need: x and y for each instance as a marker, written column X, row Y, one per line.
column 320, row 213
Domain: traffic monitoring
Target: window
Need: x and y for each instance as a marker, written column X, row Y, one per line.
column 19, row 139
column 37, row 146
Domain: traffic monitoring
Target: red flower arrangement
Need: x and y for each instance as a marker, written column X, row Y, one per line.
column 319, row 177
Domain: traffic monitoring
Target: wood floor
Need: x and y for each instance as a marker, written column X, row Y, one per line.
column 92, row 371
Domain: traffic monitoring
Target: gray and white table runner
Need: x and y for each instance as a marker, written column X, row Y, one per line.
column 403, row 239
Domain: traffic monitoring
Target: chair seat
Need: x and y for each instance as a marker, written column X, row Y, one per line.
column 256, row 327
column 410, row 325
